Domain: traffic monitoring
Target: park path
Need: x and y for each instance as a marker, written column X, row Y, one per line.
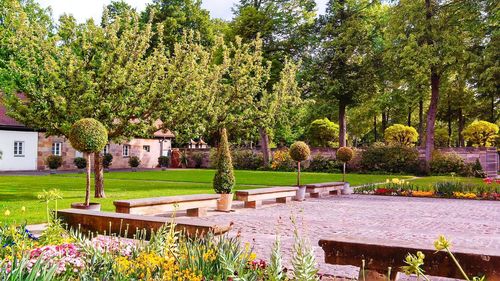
column 471, row 225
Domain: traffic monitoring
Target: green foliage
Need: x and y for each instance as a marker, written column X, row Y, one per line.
column 163, row 161
column 282, row 161
column 446, row 163
column 345, row 154
column 481, row 133
column 247, row 159
column 54, row 162
column 323, row 133
column 299, row 151
column 197, row 158
column 224, row 176
column 393, row 159
column 134, row 161
column 441, row 138
column 303, row 259
column 107, row 160
column 401, row 135
column 88, row 135
column 80, row 162
column 320, row 163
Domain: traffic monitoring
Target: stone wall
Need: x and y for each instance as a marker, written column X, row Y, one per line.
column 68, row 153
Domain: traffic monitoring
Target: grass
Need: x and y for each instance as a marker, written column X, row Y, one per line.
column 19, row 191
column 430, row 181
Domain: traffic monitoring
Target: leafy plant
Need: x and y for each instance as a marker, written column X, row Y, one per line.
column 80, row 162
column 481, row 133
column 401, row 135
column 282, row 161
column 163, row 161
column 223, row 182
column 446, row 163
column 393, row 159
column 107, row 160
column 299, row 151
column 198, row 158
column 54, row 162
column 134, row 161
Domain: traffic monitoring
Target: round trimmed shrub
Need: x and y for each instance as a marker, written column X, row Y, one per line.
column 481, row 133
column 134, row 161
column 323, row 133
column 54, row 162
column 163, row 161
column 88, row 135
column 446, row 163
column 299, row 151
column 344, row 154
column 80, row 162
column 400, row 135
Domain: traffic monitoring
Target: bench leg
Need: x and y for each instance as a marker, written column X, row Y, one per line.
column 284, row 200
column 253, row 204
column 315, row 195
column 334, row 192
column 198, row 212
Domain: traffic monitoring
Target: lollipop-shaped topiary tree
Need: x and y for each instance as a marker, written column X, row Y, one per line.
column 344, row 155
column 299, row 151
column 88, row 136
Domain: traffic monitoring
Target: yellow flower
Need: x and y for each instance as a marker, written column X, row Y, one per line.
column 387, row 181
column 252, row 256
column 23, row 209
column 6, row 213
column 441, row 243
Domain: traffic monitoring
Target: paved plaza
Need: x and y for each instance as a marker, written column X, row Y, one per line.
column 471, row 225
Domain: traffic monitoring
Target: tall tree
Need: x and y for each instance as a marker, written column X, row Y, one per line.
column 343, row 71
column 87, row 71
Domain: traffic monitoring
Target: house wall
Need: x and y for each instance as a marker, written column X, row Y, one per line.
column 68, row 153
column 9, row 162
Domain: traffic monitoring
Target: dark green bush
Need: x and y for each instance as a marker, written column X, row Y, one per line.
column 322, row 164
column 247, row 159
column 197, row 157
column 80, row 162
column 446, row 163
column 392, row 159
column 163, row 161
column 107, row 160
column 224, row 176
column 134, row 161
column 54, row 162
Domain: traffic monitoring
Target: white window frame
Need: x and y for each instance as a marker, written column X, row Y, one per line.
column 78, row 154
column 57, row 148
column 105, row 150
column 126, row 150
column 19, row 148
column 146, row 148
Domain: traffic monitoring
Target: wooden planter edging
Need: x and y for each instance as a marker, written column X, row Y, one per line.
column 117, row 223
column 378, row 258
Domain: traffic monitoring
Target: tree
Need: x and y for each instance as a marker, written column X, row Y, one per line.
column 427, row 38
column 342, row 68
column 299, row 151
column 88, row 136
column 481, row 133
column 323, row 132
column 344, row 155
column 224, row 175
column 87, row 71
column 401, row 135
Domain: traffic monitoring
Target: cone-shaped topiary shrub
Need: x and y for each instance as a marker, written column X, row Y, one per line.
column 88, row 136
column 224, row 176
column 299, row 151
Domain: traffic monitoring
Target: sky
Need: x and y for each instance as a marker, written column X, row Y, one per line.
column 84, row 9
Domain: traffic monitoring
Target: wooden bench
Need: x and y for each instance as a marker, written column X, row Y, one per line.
column 318, row 190
column 253, row 198
column 196, row 205
column 117, row 223
column 379, row 257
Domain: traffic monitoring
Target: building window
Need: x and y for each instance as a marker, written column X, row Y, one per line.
column 78, row 154
column 106, row 149
column 146, row 148
column 19, row 149
column 126, row 150
column 57, row 148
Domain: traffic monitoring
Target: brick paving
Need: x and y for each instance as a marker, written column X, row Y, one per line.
column 471, row 225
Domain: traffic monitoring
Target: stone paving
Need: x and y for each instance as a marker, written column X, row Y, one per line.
column 470, row 225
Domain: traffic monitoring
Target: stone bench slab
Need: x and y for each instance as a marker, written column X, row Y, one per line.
column 117, row 223
column 318, row 190
column 253, row 198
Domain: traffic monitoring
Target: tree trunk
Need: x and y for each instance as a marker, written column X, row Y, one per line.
column 431, row 118
column 409, row 116
column 298, row 173
column 420, row 121
column 384, row 121
column 461, row 126
column 87, row 190
column 264, row 146
column 448, row 113
column 98, row 176
column 342, row 124
column 375, row 128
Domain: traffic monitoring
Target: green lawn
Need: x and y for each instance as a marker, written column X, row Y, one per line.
column 19, row 191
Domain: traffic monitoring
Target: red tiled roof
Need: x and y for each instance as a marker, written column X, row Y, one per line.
column 7, row 121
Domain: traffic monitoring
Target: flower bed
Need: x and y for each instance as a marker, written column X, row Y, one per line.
column 445, row 189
